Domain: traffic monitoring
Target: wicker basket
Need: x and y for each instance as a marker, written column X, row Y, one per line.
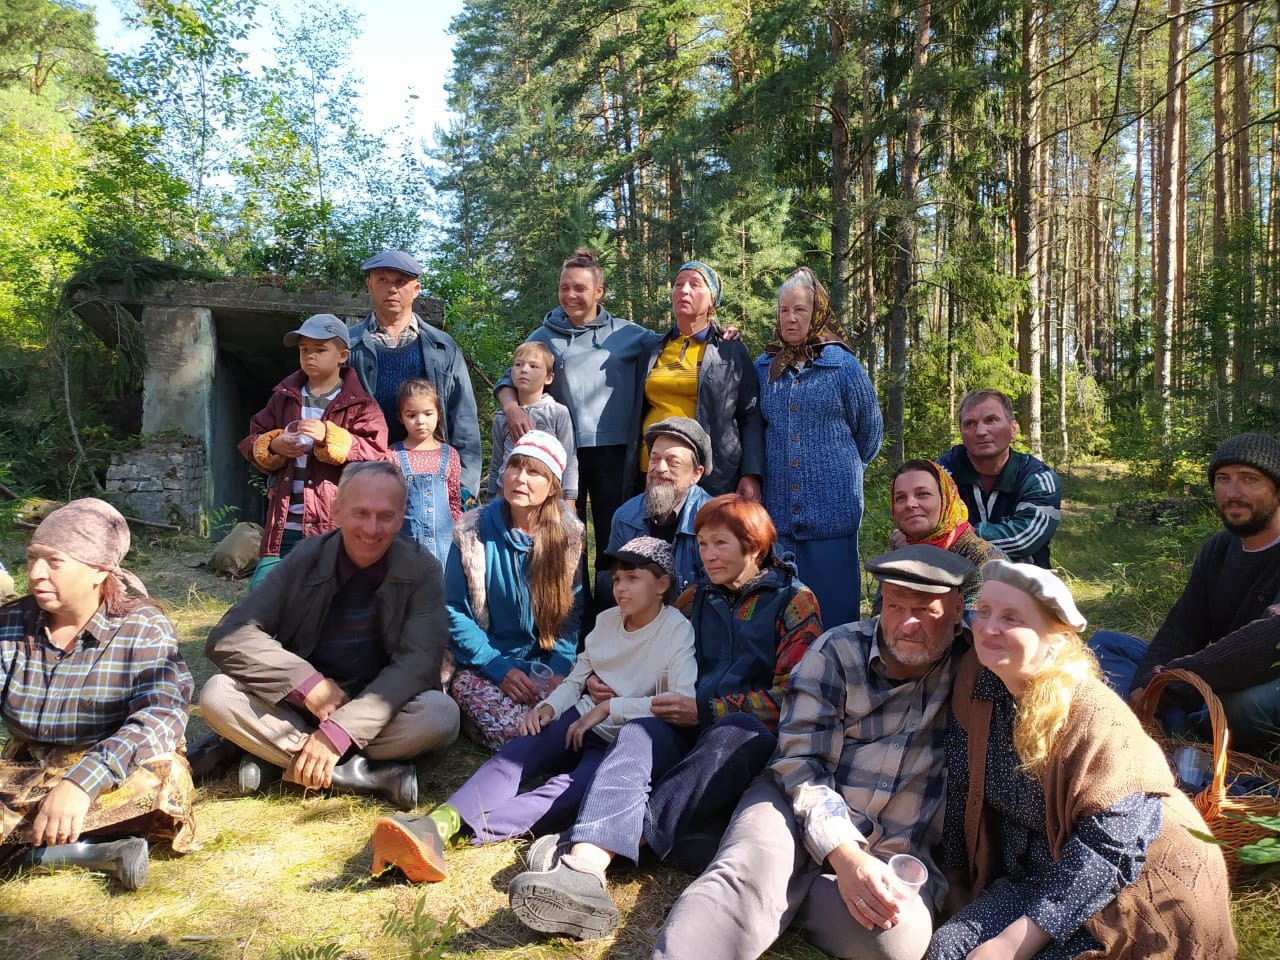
column 1221, row 812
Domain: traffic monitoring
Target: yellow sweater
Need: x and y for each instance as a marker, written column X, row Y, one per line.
column 672, row 387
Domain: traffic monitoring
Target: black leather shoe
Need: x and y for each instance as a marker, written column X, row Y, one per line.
column 392, row 780
column 211, row 756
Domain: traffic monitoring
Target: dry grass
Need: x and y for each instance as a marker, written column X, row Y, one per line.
column 279, row 872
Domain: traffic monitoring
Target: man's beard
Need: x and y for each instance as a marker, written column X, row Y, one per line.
column 1258, row 520
column 664, row 499
column 912, row 656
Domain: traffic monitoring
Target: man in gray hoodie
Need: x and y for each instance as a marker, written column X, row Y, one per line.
column 599, row 376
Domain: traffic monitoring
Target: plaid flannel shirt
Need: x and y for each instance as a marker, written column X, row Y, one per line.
column 860, row 754
column 121, row 691
column 406, row 336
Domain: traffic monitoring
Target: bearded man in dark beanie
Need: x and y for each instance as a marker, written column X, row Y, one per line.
column 1226, row 624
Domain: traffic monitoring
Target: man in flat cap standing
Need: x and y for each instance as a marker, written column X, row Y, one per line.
column 393, row 344
column 857, row 778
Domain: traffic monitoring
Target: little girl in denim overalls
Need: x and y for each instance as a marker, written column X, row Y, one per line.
column 431, row 468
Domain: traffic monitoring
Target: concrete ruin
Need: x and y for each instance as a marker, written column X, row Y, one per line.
column 213, row 354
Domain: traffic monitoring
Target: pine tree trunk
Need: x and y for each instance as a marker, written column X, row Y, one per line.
column 1245, row 380
column 1028, row 224
column 1167, row 215
column 841, row 169
column 869, row 219
column 901, row 313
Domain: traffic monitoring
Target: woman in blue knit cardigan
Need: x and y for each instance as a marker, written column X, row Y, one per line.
column 823, row 427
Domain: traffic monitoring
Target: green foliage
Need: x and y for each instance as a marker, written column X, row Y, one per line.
column 425, row 937
column 326, row 950
column 186, row 81
column 43, row 42
column 1265, row 851
column 41, row 222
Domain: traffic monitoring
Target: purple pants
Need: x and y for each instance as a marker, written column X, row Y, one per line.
column 491, row 804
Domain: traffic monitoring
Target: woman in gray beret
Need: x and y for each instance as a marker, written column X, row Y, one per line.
column 1065, row 834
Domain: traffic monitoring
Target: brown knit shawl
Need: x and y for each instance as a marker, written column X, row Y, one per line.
column 1178, row 907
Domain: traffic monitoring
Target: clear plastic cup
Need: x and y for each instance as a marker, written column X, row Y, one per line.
column 541, row 675
column 294, row 432
column 1192, row 766
column 909, row 875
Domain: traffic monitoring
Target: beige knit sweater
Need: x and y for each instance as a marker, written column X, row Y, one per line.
column 1178, row 908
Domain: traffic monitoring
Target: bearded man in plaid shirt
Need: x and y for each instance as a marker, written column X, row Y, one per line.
column 857, row 778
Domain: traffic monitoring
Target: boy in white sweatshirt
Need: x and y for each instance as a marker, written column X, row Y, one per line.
column 640, row 648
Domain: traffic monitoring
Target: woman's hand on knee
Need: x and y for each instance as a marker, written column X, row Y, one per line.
column 534, row 720
column 61, row 815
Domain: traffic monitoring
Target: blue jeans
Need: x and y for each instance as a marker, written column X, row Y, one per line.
column 1253, row 714
column 1118, row 655
column 657, row 782
column 830, row 568
column 1253, row 717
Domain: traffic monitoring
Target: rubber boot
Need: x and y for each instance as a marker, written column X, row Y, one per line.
column 392, row 780
column 411, row 843
column 123, row 860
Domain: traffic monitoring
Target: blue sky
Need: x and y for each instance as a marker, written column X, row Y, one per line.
column 390, row 70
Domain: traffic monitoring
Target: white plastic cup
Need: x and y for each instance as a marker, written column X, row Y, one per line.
column 294, row 432
column 541, row 674
column 909, row 875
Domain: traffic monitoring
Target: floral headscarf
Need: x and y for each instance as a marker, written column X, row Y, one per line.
column 953, row 518
column 709, row 276
column 784, row 354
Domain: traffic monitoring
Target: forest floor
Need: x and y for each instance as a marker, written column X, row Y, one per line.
column 281, row 877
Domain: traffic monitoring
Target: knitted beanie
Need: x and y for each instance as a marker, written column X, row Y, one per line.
column 543, row 447
column 1258, row 450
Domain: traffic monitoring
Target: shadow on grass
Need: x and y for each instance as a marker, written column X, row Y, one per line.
column 26, row 935
column 353, row 875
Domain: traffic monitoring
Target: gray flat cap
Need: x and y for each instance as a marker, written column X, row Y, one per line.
column 646, row 551
column 689, row 432
column 922, row 567
column 1041, row 585
column 319, row 326
column 392, row 260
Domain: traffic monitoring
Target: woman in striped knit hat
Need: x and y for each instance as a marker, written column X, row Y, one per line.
column 513, row 584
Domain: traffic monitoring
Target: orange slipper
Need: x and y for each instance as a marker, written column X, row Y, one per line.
column 412, row 844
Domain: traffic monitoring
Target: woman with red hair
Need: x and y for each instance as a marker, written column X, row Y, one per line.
column 671, row 780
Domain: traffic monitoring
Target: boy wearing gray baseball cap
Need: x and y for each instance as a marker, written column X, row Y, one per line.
column 316, row 420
